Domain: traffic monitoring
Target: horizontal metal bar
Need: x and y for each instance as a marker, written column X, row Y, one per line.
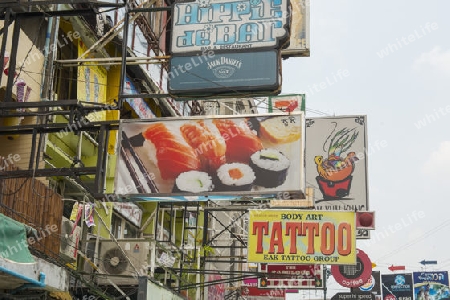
column 224, row 261
column 53, row 128
column 5, row 114
column 32, row 3
column 145, row 96
column 114, row 63
column 226, row 208
column 62, row 13
column 110, row 59
column 228, row 247
column 48, row 172
column 36, row 104
column 151, row 9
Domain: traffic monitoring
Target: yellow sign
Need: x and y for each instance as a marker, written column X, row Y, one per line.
column 302, row 237
column 92, row 82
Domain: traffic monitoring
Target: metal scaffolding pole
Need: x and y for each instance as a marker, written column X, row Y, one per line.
column 5, row 38
column 12, row 60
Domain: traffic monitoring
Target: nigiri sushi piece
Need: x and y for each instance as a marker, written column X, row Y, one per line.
column 207, row 143
column 241, row 142
column 174, row 156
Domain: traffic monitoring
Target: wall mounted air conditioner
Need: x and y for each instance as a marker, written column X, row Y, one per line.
column 69, row 240
column 117, row 265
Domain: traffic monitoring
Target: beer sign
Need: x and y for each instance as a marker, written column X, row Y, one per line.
column 301, row 237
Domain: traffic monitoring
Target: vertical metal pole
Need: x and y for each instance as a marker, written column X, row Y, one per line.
column 5, row 38
column 82, row 242
column 101, row 159
column 33, row 149
column 13, row 59
column 123, row 71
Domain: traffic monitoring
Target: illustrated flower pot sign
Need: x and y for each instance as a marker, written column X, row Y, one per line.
column 335, row 171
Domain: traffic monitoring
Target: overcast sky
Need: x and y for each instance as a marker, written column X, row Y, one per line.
column 396, row 55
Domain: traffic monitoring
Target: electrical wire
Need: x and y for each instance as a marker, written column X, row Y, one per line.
column 31, row 48
column 416, row 240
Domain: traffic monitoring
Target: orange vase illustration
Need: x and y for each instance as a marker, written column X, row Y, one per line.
column 335, row 172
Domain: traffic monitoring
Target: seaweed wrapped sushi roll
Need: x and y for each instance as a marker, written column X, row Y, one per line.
column 193, row 182
column 235, row 177
column 270, row 167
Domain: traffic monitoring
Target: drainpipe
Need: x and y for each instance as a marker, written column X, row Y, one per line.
column 30, row 281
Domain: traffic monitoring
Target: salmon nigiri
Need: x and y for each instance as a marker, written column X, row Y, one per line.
column 240, row 140
column 173, row 155
column 207, row 143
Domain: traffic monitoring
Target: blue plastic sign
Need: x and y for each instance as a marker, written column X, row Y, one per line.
column 229, row 25
column 431, row 285
column 225, row 74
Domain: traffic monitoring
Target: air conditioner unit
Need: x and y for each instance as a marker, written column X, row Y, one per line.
column 69, row 240
column 117, row 265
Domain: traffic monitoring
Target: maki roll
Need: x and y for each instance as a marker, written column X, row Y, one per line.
column 270, row 167
column 193, row 182
column 235, row 177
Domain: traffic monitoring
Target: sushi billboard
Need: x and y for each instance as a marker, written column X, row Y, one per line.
column 219, row 155
column 302, row 237
column 336, row 162
column 431, row 285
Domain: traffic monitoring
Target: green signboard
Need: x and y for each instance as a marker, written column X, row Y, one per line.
column 225, row 74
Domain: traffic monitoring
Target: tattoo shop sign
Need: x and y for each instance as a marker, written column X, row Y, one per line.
column 302, row 237
column 228, row 25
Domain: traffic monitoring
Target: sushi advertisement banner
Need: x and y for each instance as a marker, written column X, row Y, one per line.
column 302, row 237
column 397, row 286
column 336, row 162
column 220, row 155
column 431, row 285
column 226, row 73
column 228, row 25
column 292, row 276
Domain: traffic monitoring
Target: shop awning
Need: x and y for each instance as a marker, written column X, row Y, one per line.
column 13, row 241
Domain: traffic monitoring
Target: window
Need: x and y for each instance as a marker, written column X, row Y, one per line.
column 130, row 231
column 121, row 228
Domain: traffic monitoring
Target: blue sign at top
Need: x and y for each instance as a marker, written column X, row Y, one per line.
column 229, row 25
column 431, row 277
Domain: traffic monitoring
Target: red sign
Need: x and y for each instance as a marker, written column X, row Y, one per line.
column 217, row 291
column 250, row 288
column 291, row 276
column 355, row 275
